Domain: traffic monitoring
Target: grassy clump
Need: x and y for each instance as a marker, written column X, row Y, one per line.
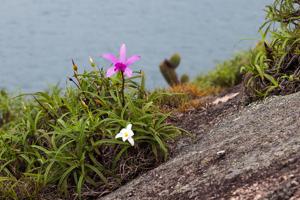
column 276, row 68
column 9, row 108
column 226, row 74
column 66, row 139
column 183, row 97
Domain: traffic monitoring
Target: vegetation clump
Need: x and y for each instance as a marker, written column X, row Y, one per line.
column 66, row 140
column 184, row 97
column 275, row 70
column 226, row 74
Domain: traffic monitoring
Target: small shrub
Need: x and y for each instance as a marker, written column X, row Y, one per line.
column 275, row 69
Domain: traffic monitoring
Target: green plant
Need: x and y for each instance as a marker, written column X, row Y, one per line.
column 226, row 74
column 67, row 138
column 168, row 69
column 275, row 69
column 9, row 108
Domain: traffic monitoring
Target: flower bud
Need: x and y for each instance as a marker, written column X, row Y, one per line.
column 92, row 62
column 75, row 68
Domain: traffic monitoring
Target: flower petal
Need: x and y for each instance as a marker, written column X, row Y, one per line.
column 124, row 138
column 132, row 59
column 111, row 71
column 131, row 141
column 123, row 131
column 110, row 57
column 119, row 135
column 129, row 126
column 123, row 53
column 128, row 72
column 130, row 133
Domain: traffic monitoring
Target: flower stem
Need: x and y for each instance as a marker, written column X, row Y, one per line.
column 123, row 88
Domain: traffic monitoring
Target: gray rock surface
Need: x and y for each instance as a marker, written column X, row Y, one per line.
column 252, row 154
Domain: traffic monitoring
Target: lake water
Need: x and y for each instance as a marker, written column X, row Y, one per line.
column 38, row 38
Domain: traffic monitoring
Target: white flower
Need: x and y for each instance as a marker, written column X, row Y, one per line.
column 126, row 134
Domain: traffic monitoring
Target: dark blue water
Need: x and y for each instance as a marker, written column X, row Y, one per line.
column 38, row 38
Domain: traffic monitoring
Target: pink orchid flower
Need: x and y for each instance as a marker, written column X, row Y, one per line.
column 122, row 64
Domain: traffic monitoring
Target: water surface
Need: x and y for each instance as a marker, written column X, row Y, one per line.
column 38, row 38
